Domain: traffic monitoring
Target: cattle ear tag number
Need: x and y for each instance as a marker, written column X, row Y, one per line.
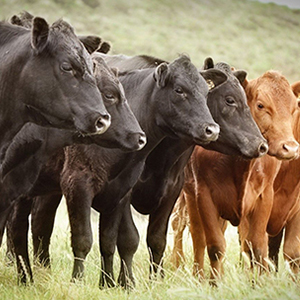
column 210, row 84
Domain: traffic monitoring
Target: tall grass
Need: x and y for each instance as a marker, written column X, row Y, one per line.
column 238, row 282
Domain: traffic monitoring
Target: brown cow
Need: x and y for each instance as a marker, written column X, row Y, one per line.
column 286, row 207
column 219, row 187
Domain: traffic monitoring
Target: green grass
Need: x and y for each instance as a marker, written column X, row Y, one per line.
column 177, row 284
column 248, row 35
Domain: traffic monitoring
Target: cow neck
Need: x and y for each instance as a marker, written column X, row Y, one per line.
column 141, row 97
column 12, row 118
column 173, row 155
column 243, row 169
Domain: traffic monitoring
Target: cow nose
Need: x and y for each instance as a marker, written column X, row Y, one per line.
column 142, row 141
column 102, row 124
column 290, row 149
column 212, row 132
column 263, row 149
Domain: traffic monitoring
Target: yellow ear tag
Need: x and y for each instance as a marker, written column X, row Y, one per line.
column 210, row 84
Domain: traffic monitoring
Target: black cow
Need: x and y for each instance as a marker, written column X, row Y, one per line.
column 169, row 100
column 160, row 183
column 163, row 167
column 35, row 157
column 171, row 91
column 46, row 78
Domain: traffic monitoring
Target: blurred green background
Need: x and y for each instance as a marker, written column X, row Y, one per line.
column 246, row 34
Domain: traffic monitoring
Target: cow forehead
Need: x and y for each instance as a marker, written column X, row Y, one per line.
column 185, row 73
column 231, row 87
column 63, row 41
column 186, row 68
column 105, row 76
column 275, row 88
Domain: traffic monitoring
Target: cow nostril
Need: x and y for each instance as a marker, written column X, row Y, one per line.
column 102, row 124
column 263, row 148
column 208, row 131
column 291, row 147
column 142, row 141
column 212, row 131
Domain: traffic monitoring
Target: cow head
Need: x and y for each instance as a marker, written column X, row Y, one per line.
column 58, row 59
column 228, row 104
column 273, row 103
column 124, row 131
column 181, row 107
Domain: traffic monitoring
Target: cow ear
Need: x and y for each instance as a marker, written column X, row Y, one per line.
column 40, row 32
column 104, row 48
column 161, row 74
column 90, row 42
column 245, row 84
column 208, row 63
column 213, row 77
column 296, row 89
column 240, row 75
column 115, row 71
column 15, row 20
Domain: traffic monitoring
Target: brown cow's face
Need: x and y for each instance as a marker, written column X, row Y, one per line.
column 273, row 103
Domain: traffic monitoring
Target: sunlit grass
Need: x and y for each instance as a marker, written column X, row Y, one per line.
column 238, row 282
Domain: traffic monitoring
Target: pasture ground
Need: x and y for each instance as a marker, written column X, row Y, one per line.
column 238, row 282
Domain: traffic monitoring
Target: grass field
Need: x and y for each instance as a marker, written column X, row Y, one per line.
column 248, row 35
column 178, row 284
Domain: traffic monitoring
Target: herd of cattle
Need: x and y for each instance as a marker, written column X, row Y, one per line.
column 111, row 131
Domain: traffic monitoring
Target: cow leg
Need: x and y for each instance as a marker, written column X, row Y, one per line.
column 243, row 230
column 5, row 211
column 214, row 235
column 157, row 233
column 274, row 246
column 79, row 202
column 291, row 247
column 42, row 222
column 179, row 222
column 17, row 228
column 198, row 235
column 108, row 237
column 128, row 241
column 9, row 242
column 256, row 242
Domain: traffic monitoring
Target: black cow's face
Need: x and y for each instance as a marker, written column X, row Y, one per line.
column 124, row 132
column 239, row 133
column 60, row 88
column 181, row 107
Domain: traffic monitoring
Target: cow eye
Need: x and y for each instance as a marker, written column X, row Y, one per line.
column 109, row 96
column 260, row 106
column 65, row 66
column 179, row 90
column 230, row 101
